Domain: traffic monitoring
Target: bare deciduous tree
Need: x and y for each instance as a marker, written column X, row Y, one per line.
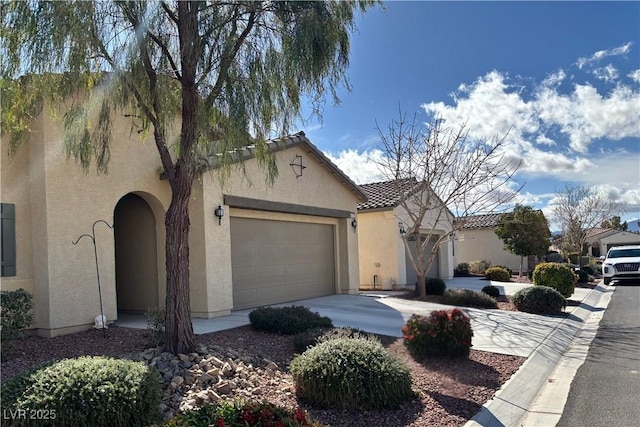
column 578, row 209
column 442, row 175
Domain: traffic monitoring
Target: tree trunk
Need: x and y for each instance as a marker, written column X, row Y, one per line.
column 178, row 336
column 521, row 264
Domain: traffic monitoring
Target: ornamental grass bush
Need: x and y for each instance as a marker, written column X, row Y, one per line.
column 243, row 414
column 86, row 391
column 468, row 298
column 444, row 333
column 557, row 276
column 303, row 340
column 479, row 266
column 351, row 373
column 287, row 320
column 539, row 300
column 434, row 285
column 498, row 274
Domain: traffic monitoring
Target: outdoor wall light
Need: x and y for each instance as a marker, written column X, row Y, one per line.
column 402, row 229
column 219, row 212
column 354, row 224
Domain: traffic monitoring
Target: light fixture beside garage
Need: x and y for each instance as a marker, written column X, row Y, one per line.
column 219, row 212
column 354, row 224
column 401, row 228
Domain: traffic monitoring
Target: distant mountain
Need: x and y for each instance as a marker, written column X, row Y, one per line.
column 634, row 226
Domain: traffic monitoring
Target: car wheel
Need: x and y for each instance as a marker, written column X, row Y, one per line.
column 607, row 280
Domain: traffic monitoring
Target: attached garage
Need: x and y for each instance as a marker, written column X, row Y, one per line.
column 280, row 261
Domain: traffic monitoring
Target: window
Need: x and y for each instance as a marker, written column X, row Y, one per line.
column 8, row 236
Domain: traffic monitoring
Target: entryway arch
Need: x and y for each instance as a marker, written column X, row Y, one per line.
column 136, row 255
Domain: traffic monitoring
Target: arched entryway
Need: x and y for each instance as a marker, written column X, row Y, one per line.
column 135, row 255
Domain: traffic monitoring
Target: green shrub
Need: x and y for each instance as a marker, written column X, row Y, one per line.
column 461, row 270
column 589, row 270
column 539, row 300
column 554, row 257
column 435, row 285
column 155, row 326
column 479, row 266
column 498, row 274
column 88, row 391
column 303, row 340
column 287, row 320
column 557, row 276
column 245, row 414
column 468, row 298
column 17, row 315
column 583, row 276
column 491, row 290
column 510, row 271
column 351, row 373
column 444, row 333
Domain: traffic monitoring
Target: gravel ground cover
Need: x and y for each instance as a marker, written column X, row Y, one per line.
column 449, row 392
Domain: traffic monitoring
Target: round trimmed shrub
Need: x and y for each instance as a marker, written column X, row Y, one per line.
column 479, row 266
column 468, row 298
column 303, row 340
column 287, row 320
column 554, row 257
column 240, row 413
column 557, row 276
column 499, row 274
column 444, row 333
column 589, row 270
column 539, row 300
column 583, row 276
column 435, row 285
column 351, row 373
column 491, row 290
column 461, row 270
column 89, row 391
column 510, row 271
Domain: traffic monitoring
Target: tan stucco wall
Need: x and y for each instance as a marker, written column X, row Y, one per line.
column 315, row 188
column 479, row 244
column 383, row 253
column 56, row 202
column 621, row 238
column 64, row 203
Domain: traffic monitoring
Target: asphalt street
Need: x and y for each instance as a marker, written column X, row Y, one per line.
column 606, row 388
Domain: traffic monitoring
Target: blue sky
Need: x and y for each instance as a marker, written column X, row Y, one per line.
column 564, row 77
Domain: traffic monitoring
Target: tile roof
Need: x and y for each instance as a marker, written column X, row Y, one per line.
column 385, row 194
column 287, row 141
column 481, row 221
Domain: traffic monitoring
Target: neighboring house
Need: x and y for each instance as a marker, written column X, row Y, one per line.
column 286, row 242
column 477, row 240
column 617, row 238
column 600, row 240
column 384, row 263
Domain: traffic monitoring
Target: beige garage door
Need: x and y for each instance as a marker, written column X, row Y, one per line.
column 280, row 261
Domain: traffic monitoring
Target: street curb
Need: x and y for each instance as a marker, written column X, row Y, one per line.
column 512, row 402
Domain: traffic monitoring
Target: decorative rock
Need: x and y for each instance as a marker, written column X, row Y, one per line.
column 223, row 388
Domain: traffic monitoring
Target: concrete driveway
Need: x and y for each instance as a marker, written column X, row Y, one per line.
column 497, row 331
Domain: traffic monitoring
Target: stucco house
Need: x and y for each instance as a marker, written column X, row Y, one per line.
column 384, row 263
column 292, row 240
column 600, row 240
column 477, row 240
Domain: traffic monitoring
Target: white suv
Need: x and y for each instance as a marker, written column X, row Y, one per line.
column 622, row 262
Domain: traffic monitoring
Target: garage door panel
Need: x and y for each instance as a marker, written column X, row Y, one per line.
column 280, row 261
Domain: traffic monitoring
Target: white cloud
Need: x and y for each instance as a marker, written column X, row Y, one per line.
column 617, row 51
column 362, row 167
column 608, row 73
column 634, row 75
